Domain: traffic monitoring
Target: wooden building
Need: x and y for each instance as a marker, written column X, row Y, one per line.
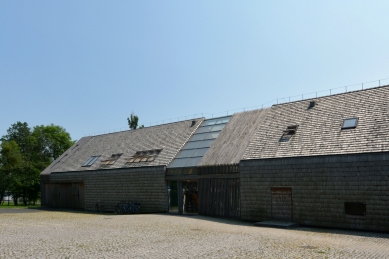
column 321, row 162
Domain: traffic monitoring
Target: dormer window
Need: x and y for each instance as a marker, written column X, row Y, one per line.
column 350, row 123
column 144, row 156
column 112, row 159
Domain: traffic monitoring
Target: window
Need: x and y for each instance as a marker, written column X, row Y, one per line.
column 90, row 161
column 350, row 123
column 144, row 156
column 194, row 150
column 112, row 159
column 288, row 133
column 355, row 208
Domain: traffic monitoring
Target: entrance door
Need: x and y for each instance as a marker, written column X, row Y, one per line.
column 281, row 204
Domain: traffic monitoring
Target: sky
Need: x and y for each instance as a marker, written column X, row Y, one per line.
column 87, row 65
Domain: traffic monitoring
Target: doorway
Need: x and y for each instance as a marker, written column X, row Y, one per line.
column 183, row 197
column 281, row 204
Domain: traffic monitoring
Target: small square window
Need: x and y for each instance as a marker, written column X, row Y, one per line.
column 350, row 123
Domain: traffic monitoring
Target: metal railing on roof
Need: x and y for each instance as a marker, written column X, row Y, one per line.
column 311, row 95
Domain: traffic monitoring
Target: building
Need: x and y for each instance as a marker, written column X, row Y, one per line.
column 321, row 162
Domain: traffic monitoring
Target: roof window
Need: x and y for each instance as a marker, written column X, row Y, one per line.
column 291, row 129
column 288, row 133
column 112, row 159
column 144, row 156
column 90, row 161
column 350, row 123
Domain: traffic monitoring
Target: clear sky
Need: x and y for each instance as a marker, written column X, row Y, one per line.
column 86, row 65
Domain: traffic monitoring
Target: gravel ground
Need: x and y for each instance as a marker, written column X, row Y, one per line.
column 61, row 234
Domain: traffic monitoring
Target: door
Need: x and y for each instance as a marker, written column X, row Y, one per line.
column 281, row 204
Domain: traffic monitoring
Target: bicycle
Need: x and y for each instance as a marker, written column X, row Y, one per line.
column 99, row 207
column 127, row 207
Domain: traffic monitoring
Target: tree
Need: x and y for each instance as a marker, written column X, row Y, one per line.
column 133, row 121
column 38, row 148
column 10, row 161
column 51, row 141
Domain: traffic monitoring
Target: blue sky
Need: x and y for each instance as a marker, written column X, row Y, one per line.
column 87, row 65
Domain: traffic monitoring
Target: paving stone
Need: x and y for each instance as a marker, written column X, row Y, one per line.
column 61, row 234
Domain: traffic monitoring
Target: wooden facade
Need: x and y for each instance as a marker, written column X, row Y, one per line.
column 64, row 195
column 219, row 197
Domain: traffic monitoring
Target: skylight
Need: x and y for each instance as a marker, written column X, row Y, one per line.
column 198, row 144
column 144, row 156
column 350, row 123
column 90, row 161
column 112, row 159
column 288, row 133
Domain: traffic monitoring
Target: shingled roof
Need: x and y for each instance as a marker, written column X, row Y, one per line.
column 232, row 142
column 320, row 130
column 167, row 137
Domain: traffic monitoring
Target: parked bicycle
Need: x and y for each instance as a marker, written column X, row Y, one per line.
column 124, row 207
column 99, row 206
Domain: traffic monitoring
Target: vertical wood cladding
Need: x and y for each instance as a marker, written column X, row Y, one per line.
column 146, row 185
column 219, row 197
column 320, row 187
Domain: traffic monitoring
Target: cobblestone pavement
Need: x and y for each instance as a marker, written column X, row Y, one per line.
column 59, row 234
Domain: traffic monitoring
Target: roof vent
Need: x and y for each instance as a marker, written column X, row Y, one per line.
column 311, row 104
column 193, row 123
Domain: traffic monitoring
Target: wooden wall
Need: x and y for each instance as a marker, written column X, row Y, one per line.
column 146, row 185
column 320, row 187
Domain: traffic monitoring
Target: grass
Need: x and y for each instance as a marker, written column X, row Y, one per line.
column 4, row 205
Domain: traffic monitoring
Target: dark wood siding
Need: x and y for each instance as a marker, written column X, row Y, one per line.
column 219, row 197
column 65, row 195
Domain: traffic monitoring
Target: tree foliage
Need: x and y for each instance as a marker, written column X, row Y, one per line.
column 10, row 161
column 37, row 148
column 133, row 122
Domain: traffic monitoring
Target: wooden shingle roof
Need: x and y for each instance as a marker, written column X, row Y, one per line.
column 320, row 130
column 168, row 137
column 232, row 142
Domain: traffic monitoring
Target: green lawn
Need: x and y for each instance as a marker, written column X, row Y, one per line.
column 4, row 205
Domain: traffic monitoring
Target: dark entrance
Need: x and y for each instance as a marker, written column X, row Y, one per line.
column 65, row 195
column 183, row 197
column 281, row 204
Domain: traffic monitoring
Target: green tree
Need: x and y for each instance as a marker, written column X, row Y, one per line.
column 50, row 142
column 133, row 121
column 10, row 161
column 38, row 149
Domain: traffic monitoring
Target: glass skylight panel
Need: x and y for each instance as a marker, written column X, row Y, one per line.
column 218, row 127
column 179, row 162
column 91, row 160
column 192, row 145
column 199, row 143
column 198, row 137
column 224, row 120
column 350, row 123
column 206, row 143
column 87, row 161
column 209, row 122
column 193, row 161
column 204, row 129
column 185, row 153
column 212, row 135
column 199, row 152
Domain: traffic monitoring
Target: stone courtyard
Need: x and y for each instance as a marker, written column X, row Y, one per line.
column 33, row 233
